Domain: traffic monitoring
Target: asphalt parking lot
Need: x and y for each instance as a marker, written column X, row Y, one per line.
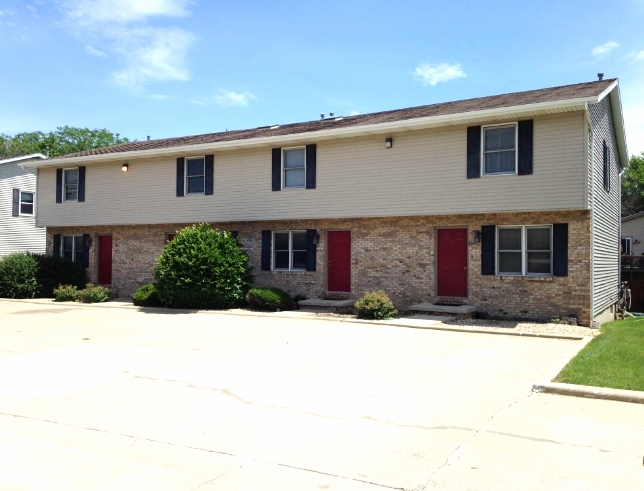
column 105, row 398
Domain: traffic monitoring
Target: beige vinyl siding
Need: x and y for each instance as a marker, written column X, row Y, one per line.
column 605, row 211
column 423, row 174
column 634, row 229
column 17, row 234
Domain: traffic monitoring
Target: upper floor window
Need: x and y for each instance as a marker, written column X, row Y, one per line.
column 606, row 167
column 524, row 250
column 195, row 175
column 26, row 203
column 500, row 149
column 294, row 167
column 70, row 184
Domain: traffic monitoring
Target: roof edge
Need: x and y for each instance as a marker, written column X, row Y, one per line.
column 31, row 156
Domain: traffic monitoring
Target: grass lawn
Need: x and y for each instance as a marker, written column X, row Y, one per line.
column 613, row 359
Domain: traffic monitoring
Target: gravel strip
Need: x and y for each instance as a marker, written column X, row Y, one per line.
column 520, row 326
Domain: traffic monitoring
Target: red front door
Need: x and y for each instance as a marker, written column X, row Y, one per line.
column 339, row 261
column 105, row 260
column 452, row 262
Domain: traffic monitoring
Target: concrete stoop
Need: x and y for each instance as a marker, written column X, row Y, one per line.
column 462, row 311
column 324, row 305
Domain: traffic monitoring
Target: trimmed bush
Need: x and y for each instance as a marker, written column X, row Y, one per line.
column 65, row 293
column 375, row 305
column 54, row 271
column 202, row 268
column 147, row 296
column 272, row 299
column 18, row 276
column 94, row 294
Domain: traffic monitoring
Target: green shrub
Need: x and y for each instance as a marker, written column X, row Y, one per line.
column 202, row 268
column 147, row 296
column 18, row 276
column 94, row 294
column 65, row 293
column 273, row 299
column 56, row 270
column 375, row 305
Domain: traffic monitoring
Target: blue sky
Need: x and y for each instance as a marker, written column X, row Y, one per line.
column 180, row 67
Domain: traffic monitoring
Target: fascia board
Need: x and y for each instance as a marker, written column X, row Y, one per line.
column 348, row 132
column 33, row 156
column 618, row 122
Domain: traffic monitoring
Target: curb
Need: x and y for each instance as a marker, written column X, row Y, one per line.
column 281, row 315
column 590, row 392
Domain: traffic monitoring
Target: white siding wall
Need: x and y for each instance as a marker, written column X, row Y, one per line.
column 423, row 174
column 634, row 229
column 605, row 210
column 17, row 234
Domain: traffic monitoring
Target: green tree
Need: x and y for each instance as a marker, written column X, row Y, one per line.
column 633, row 186
column 66, row 139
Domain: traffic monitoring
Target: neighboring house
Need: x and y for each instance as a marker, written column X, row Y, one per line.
column 510, row 203
column 18, row 230
column 633, row 234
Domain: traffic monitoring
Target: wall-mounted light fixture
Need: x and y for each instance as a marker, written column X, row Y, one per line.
column 477, row 236
column 125, row 167
column 389, row 142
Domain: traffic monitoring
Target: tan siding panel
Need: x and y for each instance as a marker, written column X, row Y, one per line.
column 423, row 174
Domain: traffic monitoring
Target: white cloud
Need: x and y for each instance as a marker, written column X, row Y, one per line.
column 228, row 98
column 161, row 97
column 153, row 54
column 635, row 56
column 430, row 74
column 147, row 54
column 91, row 50
column 604, row 49
column 92, row 13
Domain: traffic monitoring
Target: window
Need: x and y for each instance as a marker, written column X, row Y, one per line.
column 70, row 184
column 72, row 248
column 26, row 203
column 294, row 167
column 524, row 250
column 289, row 251
column 627, row 245
column 606, row 167
column 195, row 175
column 499, row 149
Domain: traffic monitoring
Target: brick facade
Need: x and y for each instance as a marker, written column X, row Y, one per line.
column 395, row 254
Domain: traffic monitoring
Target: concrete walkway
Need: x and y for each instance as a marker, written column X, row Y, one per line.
column 97, row 398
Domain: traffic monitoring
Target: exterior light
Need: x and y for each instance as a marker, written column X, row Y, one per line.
column 389, row 142
column 125, row 167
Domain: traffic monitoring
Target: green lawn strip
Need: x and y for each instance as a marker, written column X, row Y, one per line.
column 614, row 359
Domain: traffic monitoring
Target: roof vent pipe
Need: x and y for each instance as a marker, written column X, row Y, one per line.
column 600, row 76
column 148, row 137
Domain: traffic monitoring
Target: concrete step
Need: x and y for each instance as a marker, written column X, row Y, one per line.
column 338, row 306
column 454, row 310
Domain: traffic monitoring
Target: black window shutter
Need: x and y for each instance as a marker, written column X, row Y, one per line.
column 56, row 247
column 210, row 174
column 311, row 250
column 606, row 167
column 473, row 152
column 560, row 249
column 15, row 209
column 266, row 250
column 277, row 169
column 59, row 185
column 488, row 249
column 234, row 233
column 311, row 164
column 86, row 241
column 81, row 184
column 180, row 179
column 525, row 147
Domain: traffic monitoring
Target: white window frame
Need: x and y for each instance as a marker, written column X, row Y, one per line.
column 185, row 171
column 33, row 203
column 284, row 170
column 629, row 242
column 524, row 250
column 75, row 252
column 516, row 149
column 65, row 171
column 290, row 249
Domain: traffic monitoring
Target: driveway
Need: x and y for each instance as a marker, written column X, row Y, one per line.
column 102, row 398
